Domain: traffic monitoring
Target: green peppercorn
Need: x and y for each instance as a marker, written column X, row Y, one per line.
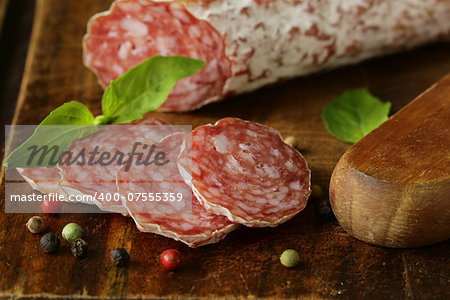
column 290, row 258
column 79, row 248
column 71, row 232
column 120, row 257
column 50, row 242
column 36, row 224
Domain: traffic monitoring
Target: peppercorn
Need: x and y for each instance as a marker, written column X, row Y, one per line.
column 36, row 224
column 71, row 232
column 324, row 210
column 120, row 257
column 292, row 141
column 289, row 258
column 79, row 248
column 50, row 242
column 171, row 259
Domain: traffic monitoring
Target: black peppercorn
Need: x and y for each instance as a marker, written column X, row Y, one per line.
column 49, row 242
column 120, row 257
column 79, row 248
column 324, row 211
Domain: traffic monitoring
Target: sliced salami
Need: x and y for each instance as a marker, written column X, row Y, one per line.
column 251, row 43
column 181, row 218
column 45, row 180
column 246, row 172
column 99, row 181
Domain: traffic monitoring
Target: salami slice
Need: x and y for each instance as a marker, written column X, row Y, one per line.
column 45, row 180
column 251, row 43
column 181, row 218
column 246, row 172
column 99, row 181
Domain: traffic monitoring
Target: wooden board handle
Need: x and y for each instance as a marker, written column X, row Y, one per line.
column 392, row 188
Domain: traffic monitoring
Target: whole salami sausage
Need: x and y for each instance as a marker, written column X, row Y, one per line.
column 159, row 200
column 244, row 170
column 251, row 43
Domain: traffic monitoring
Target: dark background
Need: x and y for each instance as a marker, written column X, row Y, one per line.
column 14, row 39
column 15, row 34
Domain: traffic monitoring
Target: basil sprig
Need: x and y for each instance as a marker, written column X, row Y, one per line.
column 142, row 89
column 70, row 113
column 145, row 87
column 354, row 114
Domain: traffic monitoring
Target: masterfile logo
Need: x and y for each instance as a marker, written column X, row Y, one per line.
column 114, row 168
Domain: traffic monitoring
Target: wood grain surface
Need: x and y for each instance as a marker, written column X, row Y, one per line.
column 246, row 264
column 392, row 188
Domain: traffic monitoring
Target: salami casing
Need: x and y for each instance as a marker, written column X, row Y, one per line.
column 246, row 172
column 251, row 43
column 152, row 197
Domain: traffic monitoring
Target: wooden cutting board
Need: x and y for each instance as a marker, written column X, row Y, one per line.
column 246, row 263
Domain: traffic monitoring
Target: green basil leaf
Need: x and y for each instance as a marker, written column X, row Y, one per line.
column 141, row 89
column 145, row 87
column 354, row 114
column 47, row 137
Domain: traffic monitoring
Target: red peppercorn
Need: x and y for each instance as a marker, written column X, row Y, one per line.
column 51, row 206
column 171, row 259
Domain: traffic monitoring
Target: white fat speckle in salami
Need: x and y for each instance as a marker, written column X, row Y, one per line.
column 134, row 27
column 295, row 185
column 221, row 143
column 186, row 220
column 117, row 69
column 194, row 31
column 124, row 50
column 257, row 192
